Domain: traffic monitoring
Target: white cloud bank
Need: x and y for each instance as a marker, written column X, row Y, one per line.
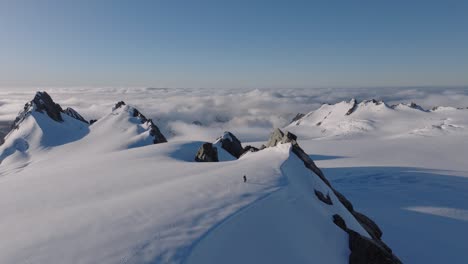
column 250, row 114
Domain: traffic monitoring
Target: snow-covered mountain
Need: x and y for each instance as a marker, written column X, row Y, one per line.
column 43, row 125
column 375, row 118
column 107, row 193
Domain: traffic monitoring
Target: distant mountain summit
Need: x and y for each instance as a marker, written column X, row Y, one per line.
column 43, row 103
column 43, row 123
column 154, row 131
column 377, row 118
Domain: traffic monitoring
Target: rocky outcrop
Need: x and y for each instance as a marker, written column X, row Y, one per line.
column 353, row 107
column 412, row 105
column 249, row 148
column 371, row 227
column 231, row 144
column 373, row 101
column 297, row 117
column 207, row 153
column 72, row 113
column 43, row 103
column 158, row 137
column 326, row 199
column 363, row 249
column 279, row 137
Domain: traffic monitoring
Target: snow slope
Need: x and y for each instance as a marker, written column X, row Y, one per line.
column 148, row 205
column 104, row 193
column 415, row 188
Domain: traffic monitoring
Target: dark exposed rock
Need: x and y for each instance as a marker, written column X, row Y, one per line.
column 72, row 113
column 158, row 137
column 353, row 108
column 231, row 144
column 371, row 227
column 373, row 101
column 92, row 121
column 411, row 105
column 249, row 149
column 365, row 250
column 279, row 137
column 155, row 132
column 323, row 198
column 297, row 117
column 119, row 104
column 416, row 106
column 197, row 123
column 207, row 153
column 44, row 102
column 343, row 200
column 340, row 222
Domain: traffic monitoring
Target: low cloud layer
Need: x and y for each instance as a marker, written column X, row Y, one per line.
column 204, row 114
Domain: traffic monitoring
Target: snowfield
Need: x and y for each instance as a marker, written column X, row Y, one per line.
column 104, row 193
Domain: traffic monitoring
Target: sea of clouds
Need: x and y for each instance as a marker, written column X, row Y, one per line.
column 250, row 114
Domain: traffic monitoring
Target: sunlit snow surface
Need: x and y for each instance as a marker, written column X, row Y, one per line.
column 97, row 197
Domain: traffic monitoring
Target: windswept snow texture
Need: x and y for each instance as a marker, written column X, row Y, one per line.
column 148, row 205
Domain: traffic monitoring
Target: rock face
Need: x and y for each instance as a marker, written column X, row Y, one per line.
column 353, row 108
column 326, row 199
column 297, row 117
column 207, row 153
column 249, row 148
column 71, row 112
column 279, row 137
column 231, row 144
column 43, row 103
column 363, row 249
column 158, row 137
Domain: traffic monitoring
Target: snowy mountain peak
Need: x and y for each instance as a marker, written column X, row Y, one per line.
column 411, row 105
column 372, row 101
column 121, row 107
column 376, row 118
column 43, row 103
column 40, row 125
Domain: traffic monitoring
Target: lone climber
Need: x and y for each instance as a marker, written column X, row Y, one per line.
column 245, row 178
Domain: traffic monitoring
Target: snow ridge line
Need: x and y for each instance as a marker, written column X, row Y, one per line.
column 184, row 253
column 282, row 184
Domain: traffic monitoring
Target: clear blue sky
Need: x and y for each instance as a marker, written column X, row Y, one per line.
column 235, row 43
